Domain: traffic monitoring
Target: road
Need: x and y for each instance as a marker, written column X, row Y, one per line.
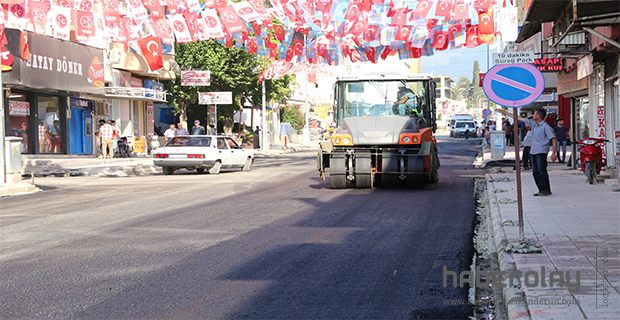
column 274, row 242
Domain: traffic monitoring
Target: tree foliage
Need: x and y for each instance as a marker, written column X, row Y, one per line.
column 293, row 116
column 232, row 69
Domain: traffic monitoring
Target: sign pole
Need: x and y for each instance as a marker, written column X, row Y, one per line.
column 515, row 132
column 263, row 120
column 2, row 134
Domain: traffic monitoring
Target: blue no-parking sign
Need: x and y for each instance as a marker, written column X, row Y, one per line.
column 513, row 85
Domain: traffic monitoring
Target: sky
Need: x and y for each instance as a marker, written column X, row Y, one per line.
column 455, row 63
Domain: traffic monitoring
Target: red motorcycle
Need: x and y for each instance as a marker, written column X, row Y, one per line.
column 591, row 157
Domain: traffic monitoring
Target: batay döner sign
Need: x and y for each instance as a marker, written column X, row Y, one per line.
column 56, row 64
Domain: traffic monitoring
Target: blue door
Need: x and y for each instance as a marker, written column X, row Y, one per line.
column 80, row 129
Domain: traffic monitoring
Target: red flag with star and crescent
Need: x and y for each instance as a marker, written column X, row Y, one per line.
column 151, row 50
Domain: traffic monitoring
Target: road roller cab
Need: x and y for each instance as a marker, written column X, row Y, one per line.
column 384, row 133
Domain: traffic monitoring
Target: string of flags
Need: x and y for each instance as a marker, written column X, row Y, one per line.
column 306, row 32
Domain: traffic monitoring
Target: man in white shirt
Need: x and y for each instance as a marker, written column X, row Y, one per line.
column 107, row 133
column 170, row 132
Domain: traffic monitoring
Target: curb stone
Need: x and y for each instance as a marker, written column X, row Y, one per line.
column 514, row 297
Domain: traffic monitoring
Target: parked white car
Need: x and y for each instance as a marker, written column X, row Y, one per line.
column 201, row 153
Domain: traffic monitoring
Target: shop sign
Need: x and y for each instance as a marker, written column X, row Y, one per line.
column 223, row 97
column 549, row 64
column 617, row 137
column 513, row 57
column 584, row 67
column 195, row 78
column 600, row 130
column 57, row 65
column 80, row 103
column 19, row 108
column 139, row 145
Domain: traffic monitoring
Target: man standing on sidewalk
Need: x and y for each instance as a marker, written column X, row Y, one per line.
column 197, row 129
column 562, row 134
column 107, row 133
column 542, row 134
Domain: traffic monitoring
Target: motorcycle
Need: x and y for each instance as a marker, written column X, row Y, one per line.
column 123, row 150
column 591, row 157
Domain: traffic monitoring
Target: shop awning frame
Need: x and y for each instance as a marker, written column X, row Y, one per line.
column 135, row 94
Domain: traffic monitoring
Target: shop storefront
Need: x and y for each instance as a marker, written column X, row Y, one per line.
column 42, row 95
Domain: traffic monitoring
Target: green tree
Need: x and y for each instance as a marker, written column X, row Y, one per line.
column 462, row 89
column 293, row 116
column 476, row 91
column 232, row 69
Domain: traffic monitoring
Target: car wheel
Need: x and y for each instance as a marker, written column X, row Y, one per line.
column 216, row 168
column 200, row 170
column 247, row 165
column 168, row 170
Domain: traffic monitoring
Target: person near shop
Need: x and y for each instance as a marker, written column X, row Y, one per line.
column 44, row 138
column 197, row 129
column 542, row 134
column 116, row 135
column 562, row 135
column 107, row 133
column 181, row 131
column 170, row 132
column 527, row 147
column 98, row 140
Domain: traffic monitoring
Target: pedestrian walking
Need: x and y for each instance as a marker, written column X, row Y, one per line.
column 527, row 147
column 180, row 130
column 562, row 135
column 467, row 131
column 107, row 133
column 197, row 129
column 542, row 134
column 170, row 132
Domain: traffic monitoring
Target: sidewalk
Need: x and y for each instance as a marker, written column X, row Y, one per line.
column 579, row 230
column 83, row 166
column 12, row 189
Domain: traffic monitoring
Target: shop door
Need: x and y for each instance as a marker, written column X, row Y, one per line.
column 80, row 131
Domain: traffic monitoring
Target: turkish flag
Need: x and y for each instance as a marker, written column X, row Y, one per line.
column 84, row 24
column 399, row 18
column 440, row 40
column 371, row 33
column 422, row 9
column 486, row 24
column 151, row 50
column 460, row 10
column 443, row 9
column 403, row 34
column 24, row 48
column 483, row 5
column 473, row 40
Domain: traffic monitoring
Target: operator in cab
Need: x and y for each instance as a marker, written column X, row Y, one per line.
column 407, row 103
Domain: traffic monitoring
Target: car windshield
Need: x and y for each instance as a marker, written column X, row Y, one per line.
column 462, row 124
column 381, row 98
column 189, row 142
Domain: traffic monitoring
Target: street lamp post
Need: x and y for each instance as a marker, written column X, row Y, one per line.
column 263, row 119
column 2, row 134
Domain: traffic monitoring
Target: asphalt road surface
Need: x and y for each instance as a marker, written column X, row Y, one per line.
column 272, row 243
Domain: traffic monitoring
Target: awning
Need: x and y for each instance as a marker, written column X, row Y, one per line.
column 542, row 11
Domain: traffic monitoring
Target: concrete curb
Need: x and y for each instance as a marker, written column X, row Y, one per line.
column 514, row 297
column 15, row 189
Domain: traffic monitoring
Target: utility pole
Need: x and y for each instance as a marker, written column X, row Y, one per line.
column 306, row 130
column 263, row 118
column 2, row 134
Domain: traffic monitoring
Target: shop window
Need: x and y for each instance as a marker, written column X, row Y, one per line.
column 582, row 107
column 19, row 115
column 49, row 127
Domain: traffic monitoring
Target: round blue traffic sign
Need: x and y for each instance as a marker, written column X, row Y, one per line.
column 486, row 112
column 513, row 85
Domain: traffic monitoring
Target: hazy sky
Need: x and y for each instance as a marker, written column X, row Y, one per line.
column 456, row 63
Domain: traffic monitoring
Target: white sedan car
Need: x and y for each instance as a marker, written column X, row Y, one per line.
column 202, row 153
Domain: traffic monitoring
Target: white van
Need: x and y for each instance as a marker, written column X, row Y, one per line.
column 458, row 118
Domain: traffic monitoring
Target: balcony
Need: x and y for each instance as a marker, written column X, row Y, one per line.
column 135, row 94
